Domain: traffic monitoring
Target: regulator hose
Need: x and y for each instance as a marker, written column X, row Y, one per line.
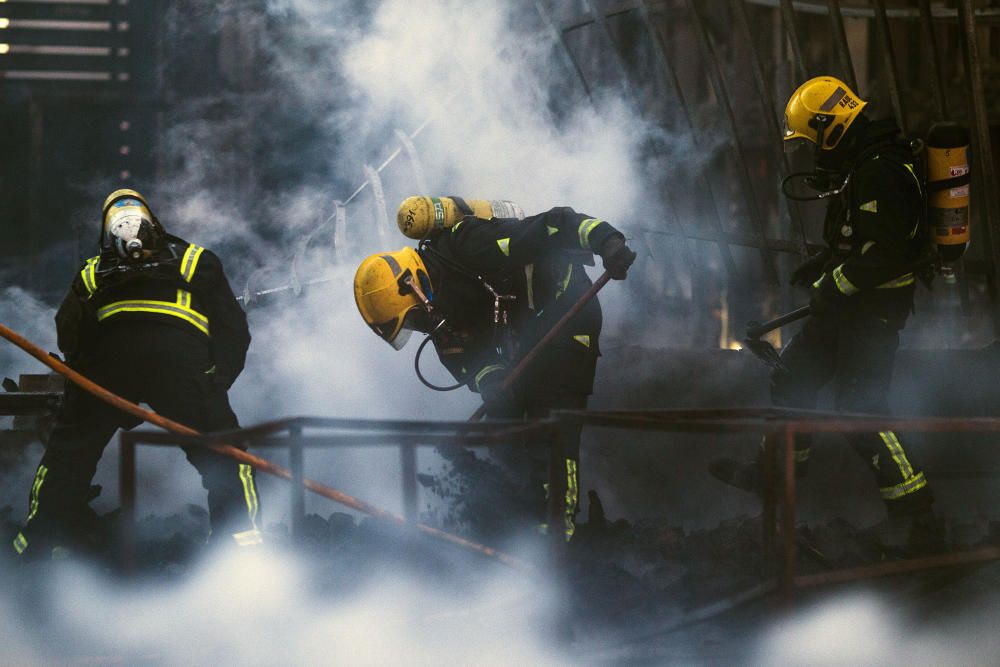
column 821, row 194
column 427, row 383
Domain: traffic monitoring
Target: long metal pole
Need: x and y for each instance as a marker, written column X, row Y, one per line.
column 984, row 147
column 719, row 86
column 788, row 18
column 258, row 463
column 929, row 39
column 671, row 80
column 766, row 97
column 889, row 61
column 840, row 41
column 788, row 521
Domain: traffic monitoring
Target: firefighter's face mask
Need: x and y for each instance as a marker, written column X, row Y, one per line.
column 129, row 230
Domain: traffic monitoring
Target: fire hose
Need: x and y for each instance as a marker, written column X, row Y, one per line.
column 243, row 457
column 523, row 365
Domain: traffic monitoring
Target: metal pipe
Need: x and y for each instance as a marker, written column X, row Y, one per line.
column 897, row 567
column 766, row 97
column 984, row 148
column 671, row 80
column 787, row 575
column 408, row 472
column 602, row 24
column 840, row 41
column 792, row 32
column 567, row 55
column 819, row 7
column 889, row 61
column 296, row 462
column 719, row 86
column 929, row 38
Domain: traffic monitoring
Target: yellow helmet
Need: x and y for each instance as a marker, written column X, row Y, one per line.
column 121, row 204
column 420, row 216
column 386, row 300
column 820, row 110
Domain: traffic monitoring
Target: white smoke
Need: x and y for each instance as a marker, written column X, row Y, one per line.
column 264, row 608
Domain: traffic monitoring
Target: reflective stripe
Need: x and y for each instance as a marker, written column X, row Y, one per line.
column 20, row 543
column 909, row 486
column 458, row 224
column 582, row 339
column 504, row 246
column 867, row 246
column 89, row 275
column 845, row 286
column 801, row 455
column 819, row 282
column 909, row 167
column 486, row 371
column 584, row 230
column 565, row 283
column 249, row 493
column 551, row 230
column 572, row 497
column 249, row 538
column 180, row 308
column 190, row 261
column 901, row 281
column 898, row 455
column 36, row 488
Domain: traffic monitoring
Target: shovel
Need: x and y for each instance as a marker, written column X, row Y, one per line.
column 762, row 349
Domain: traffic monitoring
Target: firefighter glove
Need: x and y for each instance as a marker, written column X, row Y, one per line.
column 499, row 401
column 617, row 257
column 825, row 299
column 810, row 270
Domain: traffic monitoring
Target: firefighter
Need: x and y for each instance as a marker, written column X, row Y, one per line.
column 861, row 288
column 153, row 319
column 487, row 290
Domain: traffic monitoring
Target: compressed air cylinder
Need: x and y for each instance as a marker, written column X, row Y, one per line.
column 421, row 216
column 948, row 189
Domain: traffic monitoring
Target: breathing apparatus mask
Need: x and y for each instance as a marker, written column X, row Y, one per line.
column 826, row 179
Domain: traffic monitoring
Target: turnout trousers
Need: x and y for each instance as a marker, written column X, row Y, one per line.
column 856, row 351
column 164, row 367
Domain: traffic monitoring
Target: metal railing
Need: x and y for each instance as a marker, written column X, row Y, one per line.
column 781, row 426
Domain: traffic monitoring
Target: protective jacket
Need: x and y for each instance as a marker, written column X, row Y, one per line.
column 182, row 285
column 539, row 261
column 873, row 227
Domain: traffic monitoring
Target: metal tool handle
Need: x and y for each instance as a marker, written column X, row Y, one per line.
column 757, row 329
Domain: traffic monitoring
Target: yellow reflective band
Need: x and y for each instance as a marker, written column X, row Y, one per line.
column 870, row 207
column 565, row 283
column 486, row 371
column 190, row 261
column 457, row 225
column 36, row 489
column 582, row 339
column 909, row 486
column 898, row 455
column 801, row 455
column 901, row 281
column 20, row 543
column 867, row 246
column 551, row 230
column 584, row 230
column 816, row 285
column 249, row 538
column 249, row 493
column 89, row 275
column 180, row 308
column 504, row 246
column 572, row 497
column 909, row 168
column 845, row 286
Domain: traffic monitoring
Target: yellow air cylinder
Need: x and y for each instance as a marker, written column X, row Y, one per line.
column 421, row 216
column 948, row 181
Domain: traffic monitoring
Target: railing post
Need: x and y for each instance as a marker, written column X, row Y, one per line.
column 557, row 493
column 408, row 470
column 126, row 496
column 787, row 574
column 298, row 493
column 769, row 517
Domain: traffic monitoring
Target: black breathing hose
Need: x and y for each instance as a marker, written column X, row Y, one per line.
column 427, row 383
